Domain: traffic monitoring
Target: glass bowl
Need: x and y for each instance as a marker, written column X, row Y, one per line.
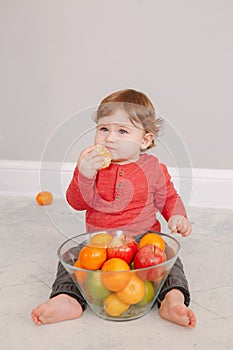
column 118, row 295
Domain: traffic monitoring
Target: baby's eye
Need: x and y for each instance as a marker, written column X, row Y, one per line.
column 104, row 129
column 123, row 131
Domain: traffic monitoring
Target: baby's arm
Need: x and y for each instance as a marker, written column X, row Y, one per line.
column 170, row 204
column 79, row 189
column 82, row 185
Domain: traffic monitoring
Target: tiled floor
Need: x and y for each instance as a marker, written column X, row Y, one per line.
column 29, row 238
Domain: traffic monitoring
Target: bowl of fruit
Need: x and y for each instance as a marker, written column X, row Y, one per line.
column 119, row 272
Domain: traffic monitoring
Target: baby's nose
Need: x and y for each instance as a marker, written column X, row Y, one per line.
column 110, row 136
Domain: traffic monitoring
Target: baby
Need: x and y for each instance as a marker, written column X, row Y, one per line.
column 127, row 193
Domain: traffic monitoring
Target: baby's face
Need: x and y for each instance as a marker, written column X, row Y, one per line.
column 123, row 139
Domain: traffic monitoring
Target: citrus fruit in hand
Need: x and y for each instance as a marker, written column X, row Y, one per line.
column 79, row 275
column 152, row 238
column 114, row 306
column 115, row 275
column 44, row 198
column 95, row 288
column 149, row 294
column 134, row 291
column 102, row 239
column 104, row 152
column 92, row 257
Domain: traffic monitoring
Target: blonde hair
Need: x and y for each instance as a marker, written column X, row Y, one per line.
column 137, row 105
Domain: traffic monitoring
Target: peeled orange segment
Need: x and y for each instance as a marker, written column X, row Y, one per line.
column 102, row 151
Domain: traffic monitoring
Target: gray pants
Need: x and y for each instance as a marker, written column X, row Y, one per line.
column 64, row 284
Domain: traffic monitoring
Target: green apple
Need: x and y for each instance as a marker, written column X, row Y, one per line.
column 95, row 288
column 149, row 294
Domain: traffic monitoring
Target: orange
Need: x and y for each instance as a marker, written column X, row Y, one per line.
column 114, row 306
column 134, row 291
column 92, row 257
column 44, row 198
column 152, row 238
column 115, row 275
column 79, row 275
column 104, row 152
column 102, row 239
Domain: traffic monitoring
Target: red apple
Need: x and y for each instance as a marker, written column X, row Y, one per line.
column 122, row 247
column 150, row 255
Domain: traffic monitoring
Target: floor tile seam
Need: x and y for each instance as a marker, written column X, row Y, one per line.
column 43, row 268
column 218, row 316
column 209, row 289
column 42, row 281
column 25, row 284
column 28, row 262
column 17, row 285
column 229, row 318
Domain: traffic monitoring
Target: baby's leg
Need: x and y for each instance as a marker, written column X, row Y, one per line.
column 60, row 308
column 173, row 309
column 66, row 302
column 174, row 298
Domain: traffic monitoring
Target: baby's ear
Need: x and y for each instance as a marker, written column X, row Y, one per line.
column 147, row 140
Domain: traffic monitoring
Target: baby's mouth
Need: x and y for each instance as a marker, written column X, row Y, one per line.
column 110, row 149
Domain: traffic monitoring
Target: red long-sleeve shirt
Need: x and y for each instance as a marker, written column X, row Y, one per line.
column 127, row 195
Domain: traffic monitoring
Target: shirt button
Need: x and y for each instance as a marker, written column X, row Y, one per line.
column 117, row 198
column 121, row 172
column 119, row 185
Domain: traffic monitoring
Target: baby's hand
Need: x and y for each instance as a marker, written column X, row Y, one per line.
column 180, row 224
column 89, row 162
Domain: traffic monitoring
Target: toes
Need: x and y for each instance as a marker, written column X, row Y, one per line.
column 35, row 317
column 188, row 314
column 192, row 321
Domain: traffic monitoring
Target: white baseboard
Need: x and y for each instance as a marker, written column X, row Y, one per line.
column 212, row 188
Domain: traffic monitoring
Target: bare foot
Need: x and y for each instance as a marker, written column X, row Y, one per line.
column 174, row 310
column 60, row 308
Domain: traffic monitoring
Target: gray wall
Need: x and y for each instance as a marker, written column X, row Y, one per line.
column 59, row 57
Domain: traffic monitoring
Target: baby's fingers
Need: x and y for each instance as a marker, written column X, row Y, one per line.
column 180, row 224
column 172, row 224
column 175, row 222
column 184, row 227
